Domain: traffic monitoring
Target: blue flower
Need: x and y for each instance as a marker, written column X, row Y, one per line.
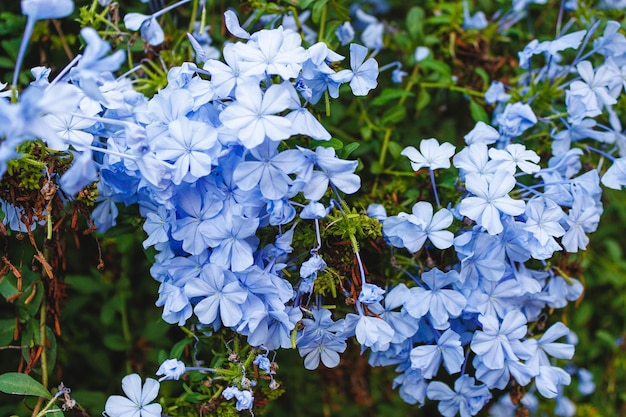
column 139, row 398
column 431, row 155
column 428, row 358
column 245, row 400
column 263, row 363
column 232, row 24
column 46, row 9
column 221, row 295
column 275, row 52
column 254, row 114
column 372, row 332
column 312, row 266
column 233, row 240
column 345, row 33
column 191, row 147
column 338, row 172
column 499, row 340
column 439, row 303
column 362, row 73
column 370, row 294
column 516, row 119
column 489, row 200
column 543, row 218
column 171, row 369
column 411, row 230
column 325, row 349
column 467, row 399
column 268, row 170
column 235, row 71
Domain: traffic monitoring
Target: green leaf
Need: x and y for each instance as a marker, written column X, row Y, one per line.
column 439, row 20
column 305, row 3
column 348, row 149
column 332, row 143
column 483, row 75
column 316, row 11
column 607, row 338
column 366, row 132
column 6, row 62
column 395, row 149
column 438, row 67
column 7, row 328
column 7, row 287
column 423, row 99
column 110, row 308
column 393, row 115
column 390, row 94
column 478, row 112
column 22, row 384
column 376, row 168
column 116, row 342
column 179, row 347
column 415, row 22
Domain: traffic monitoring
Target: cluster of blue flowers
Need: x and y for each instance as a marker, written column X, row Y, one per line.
column 209, row 162
column 516, row 212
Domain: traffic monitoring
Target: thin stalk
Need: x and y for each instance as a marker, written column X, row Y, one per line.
column 388, row 131
column 44, row 355
column 194, row 11
column 168, row 8
column 320, row 37
column 453, row 88
column 28, row 31
column 432, row 180
column 49, row 405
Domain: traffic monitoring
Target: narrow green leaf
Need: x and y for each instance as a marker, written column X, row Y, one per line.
column 376, row 168
column 483, row 75
column 415, row 22
column 389, row 94
column 332, row 143
column 116, row 342
column 478, row 113
column 179, row 348
column 393, row 115
column 366, row 132
column 395, row 149
column 22, row 384
column 423, row 98
column 7, row 328
column 316, row 11
column 441, row 68
column 348, row 149
column 305, row 3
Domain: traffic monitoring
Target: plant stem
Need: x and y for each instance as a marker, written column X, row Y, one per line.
column 192, row 20
column 388, row 131
column 453, row 88
column 44, row 411
column 320, row 37
column 44, row 355
column 28, row 31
